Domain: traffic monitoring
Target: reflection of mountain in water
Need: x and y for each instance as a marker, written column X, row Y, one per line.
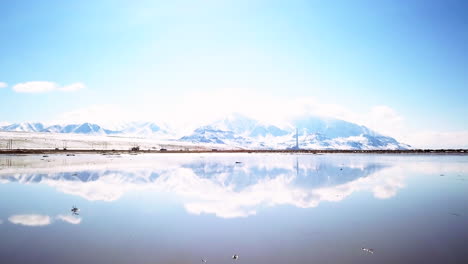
column 218, row 186
column 83, row 176
column 327, row 175
column 321, row 175
column 238, row 176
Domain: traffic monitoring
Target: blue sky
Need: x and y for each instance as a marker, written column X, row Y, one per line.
column 408, row 57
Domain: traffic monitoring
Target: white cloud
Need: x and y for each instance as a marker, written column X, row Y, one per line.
column 41, row 220
column 30, row 220
column 438, row 140
column 3, row 84
column 185, row 113
column 69, row 219
column 108, row 116
column 43, row 87
column 384, row 119
column 35, row 87
column 72, row 87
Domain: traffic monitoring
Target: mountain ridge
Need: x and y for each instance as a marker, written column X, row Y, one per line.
column 240, row 131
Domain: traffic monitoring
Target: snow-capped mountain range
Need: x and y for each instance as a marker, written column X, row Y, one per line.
column 134, row 128
column 307, row 132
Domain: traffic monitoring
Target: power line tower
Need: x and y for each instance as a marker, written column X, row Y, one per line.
column 9, row 144
column 297, row 139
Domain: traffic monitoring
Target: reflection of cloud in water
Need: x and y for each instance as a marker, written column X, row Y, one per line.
column 30, row 220
column 1, row 221
column 108, row 187
column 282, row 191
column 69, row 219
column 41, row 220
column 217, row 185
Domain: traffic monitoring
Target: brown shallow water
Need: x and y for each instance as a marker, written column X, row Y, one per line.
column 267, row 208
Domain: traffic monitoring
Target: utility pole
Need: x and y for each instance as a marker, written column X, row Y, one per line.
column 9, row 144
column 297, row 138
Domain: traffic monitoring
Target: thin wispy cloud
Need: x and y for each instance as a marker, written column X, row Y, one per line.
column 3, row 84
column 45, row 86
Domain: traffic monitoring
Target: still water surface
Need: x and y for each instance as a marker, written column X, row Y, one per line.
column 267, row 208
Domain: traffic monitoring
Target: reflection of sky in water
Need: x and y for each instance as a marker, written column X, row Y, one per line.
column 222, row 186
column 212, row 205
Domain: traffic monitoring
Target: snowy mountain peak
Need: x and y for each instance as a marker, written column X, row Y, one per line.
column 87, row 128
column 25, row 126
column 239, row 131
column 244, row 126
column 332, row 128
column 314, row 133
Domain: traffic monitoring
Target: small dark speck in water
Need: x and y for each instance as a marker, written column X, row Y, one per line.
column 442, row 175
column 455, row 214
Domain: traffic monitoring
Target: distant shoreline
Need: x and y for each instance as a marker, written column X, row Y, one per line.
column 111, row 152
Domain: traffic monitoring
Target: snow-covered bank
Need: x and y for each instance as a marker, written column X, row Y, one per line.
column 35, row 140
